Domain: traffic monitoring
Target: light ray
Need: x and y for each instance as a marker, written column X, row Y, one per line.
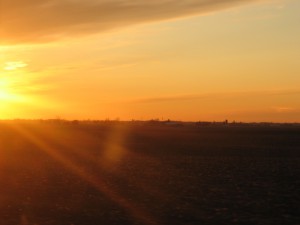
column 90, row 178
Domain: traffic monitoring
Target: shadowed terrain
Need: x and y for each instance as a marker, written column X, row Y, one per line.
column 65, row 173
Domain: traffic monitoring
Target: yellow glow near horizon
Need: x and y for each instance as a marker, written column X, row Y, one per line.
column 11, row 90
column 7, row 94
column 20, row 91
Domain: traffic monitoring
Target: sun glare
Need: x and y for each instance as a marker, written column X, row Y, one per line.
column 18, row 89
column 9, row 77
column 10, row 93
column 7, row 94
column 9, row 99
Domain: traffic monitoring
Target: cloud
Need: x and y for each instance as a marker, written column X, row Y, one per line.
column 219, row 95
column 281, row 109
column 47, row 20
column 10, row 66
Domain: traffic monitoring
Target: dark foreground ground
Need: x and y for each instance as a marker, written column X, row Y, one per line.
column 90, row 174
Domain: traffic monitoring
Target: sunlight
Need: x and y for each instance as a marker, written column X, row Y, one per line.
column 20, row 90
column 8, row 101
column 13, row 76
column 11, row 94
column 36, row 137
column 6, row 92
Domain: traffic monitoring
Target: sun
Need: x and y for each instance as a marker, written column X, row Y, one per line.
column 19, row 90
column 10, row 98
column 6, row 92
column 9, row 80
column 6, row 96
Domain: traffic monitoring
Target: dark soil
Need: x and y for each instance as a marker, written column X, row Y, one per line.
column 90, row 174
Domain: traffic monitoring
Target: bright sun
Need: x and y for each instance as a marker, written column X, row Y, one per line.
column 10, row 98
column 17, row 89
column 6, row 92
column 9, row 77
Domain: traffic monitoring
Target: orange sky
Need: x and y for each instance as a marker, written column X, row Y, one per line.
column 182, row 60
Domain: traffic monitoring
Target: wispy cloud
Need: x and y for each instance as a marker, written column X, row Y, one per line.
column 10, row 66
column 218, row 95
column 36, row 20
column 284, row 109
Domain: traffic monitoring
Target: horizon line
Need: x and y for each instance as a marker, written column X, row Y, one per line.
column 156, row 120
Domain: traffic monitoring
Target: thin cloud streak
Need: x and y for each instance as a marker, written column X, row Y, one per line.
column 241, row 94
column 41, row 21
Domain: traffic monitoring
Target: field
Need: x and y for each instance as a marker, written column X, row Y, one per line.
column 63, row 173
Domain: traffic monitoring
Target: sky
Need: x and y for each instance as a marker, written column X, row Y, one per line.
column 189, row 60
